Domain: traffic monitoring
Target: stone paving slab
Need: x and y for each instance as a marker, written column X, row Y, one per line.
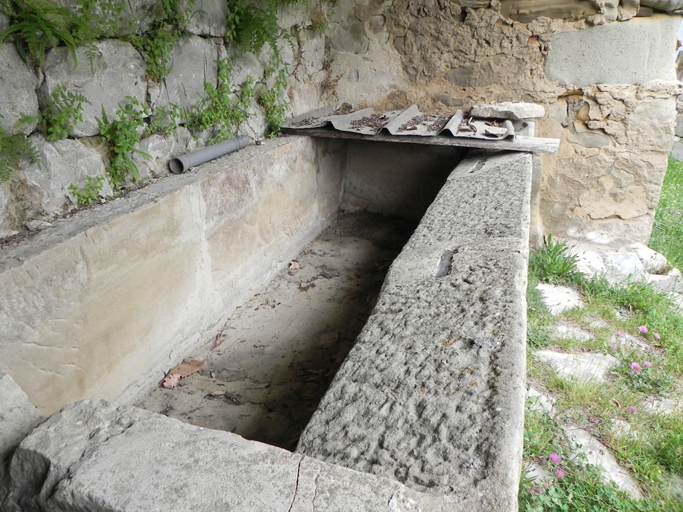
column 559, row 299
column 586, row 367
column 432, row 394
column 597, row 454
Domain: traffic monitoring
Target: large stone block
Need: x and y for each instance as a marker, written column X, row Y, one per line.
column 432, row 393
column 18, row 84
column 135, row 18
column 116, row 72
column 617, row 53
column 153, row 462
column 194, row 62
column 17, row 418
column 207, row 17
column 63, row 163
column 5, row 199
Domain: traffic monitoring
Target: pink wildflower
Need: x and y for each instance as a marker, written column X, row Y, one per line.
column 647, row 364
column 614, row 347
column 643, row 329
column 539, row 490
column 660, row 367
column 532, row 491
column 620, row 333
column 635, row 367
column 633, row 409
column 559, row 473
column 657, row 336
column 554, row 458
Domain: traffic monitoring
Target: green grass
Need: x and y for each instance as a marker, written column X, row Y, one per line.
column 653, row 451
column 667, row 234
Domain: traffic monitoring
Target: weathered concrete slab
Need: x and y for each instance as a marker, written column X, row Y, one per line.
column 432, row 394
column 17, row 418
column 617, row 53
column 152, row 462
column 118, row 294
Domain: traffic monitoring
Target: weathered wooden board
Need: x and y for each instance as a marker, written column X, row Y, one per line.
column 520, row 143
column 528, row 10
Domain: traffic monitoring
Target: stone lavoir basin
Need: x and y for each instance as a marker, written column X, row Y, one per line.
column 269, row 265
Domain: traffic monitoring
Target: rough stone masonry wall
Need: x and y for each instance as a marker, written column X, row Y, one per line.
column 609, row 89
column 118, row 71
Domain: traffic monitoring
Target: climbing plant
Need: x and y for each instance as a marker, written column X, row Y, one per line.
column 122, row 135
column 220, row 110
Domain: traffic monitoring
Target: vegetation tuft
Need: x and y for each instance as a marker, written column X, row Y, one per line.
column 123, row 134
column 667, row 234
column 12, row 149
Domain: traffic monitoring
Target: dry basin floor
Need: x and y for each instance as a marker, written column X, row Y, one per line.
column 266, row 372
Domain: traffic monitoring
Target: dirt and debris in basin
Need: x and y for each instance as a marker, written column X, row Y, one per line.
column 266, row 372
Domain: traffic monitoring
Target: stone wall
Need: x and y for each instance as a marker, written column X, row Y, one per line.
column 119, row 71
column 609, row 89
column 603, row 70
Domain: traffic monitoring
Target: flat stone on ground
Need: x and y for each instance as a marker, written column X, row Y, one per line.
column 537, row 401
column 597, row 454
column 559, row 299
column 586, row 367
column 571, row 332
column 659, row 405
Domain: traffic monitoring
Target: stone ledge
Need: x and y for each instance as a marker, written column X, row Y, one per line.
column 432, row 394
column 94, row 455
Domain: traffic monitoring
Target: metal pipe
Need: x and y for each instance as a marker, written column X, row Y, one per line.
column 183, row 163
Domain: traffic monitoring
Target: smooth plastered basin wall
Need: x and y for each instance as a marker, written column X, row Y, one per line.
column 104, row 302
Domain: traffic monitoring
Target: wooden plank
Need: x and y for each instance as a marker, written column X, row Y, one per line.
column 528, row 10
column 528, row 144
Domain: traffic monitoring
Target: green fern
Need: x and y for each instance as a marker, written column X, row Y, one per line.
column 62, row 112
column 37, row 26
column 217, row 111
column 12, row 149
column 122, row 135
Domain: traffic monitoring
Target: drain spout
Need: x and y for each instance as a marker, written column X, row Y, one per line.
column 183, row 163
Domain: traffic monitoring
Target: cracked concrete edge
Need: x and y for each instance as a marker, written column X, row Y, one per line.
column 96, row 455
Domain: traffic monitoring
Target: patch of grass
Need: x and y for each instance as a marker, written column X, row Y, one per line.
column 553, row 264
column 574, row 485
column 667, row 233
column 653, row 452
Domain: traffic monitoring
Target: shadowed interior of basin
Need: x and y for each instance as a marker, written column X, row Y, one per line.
column 267, row 370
